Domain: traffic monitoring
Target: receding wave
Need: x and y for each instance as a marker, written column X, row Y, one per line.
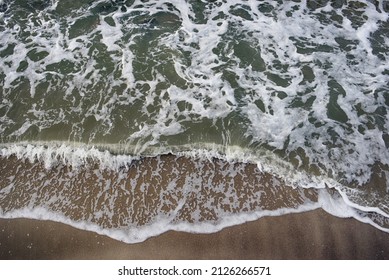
column 133, row 198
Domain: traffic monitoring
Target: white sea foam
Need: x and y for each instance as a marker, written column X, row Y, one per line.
column 76, row 156
column 161, row 225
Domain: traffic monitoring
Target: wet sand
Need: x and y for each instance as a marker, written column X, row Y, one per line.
column 310, row 235
column 158, row 185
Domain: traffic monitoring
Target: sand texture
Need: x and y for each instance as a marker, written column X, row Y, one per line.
column 310, row 235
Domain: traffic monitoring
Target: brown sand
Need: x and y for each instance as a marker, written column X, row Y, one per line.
column 311, row 235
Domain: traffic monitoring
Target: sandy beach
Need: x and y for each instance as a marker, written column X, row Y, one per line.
column 310, row 235
column 132, row 118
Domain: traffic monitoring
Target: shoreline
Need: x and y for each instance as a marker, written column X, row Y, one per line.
column 309, row 235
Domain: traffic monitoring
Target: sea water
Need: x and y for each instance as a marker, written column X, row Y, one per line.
column 132, row 118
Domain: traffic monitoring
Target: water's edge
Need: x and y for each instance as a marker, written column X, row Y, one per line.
column 132, row 198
